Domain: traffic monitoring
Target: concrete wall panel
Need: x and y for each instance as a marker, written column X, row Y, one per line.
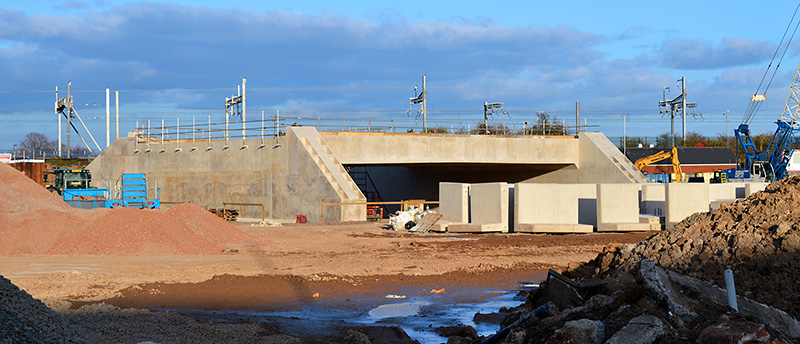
column 546, row 203
column 489, row 204
column 684, row 199
column 454, row 202
column 617, row 203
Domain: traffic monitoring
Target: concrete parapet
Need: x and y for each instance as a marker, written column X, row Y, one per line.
column 454, row 202
column 684, row 199
column 489, row 204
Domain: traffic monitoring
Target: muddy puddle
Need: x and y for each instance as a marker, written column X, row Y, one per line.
column 418, row 311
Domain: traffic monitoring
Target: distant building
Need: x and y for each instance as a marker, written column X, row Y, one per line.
column 695, row 161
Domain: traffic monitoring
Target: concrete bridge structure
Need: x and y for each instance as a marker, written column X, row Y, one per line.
column 293, row 173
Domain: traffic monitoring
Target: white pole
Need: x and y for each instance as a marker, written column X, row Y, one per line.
column 59, row 123
column 116, row 104
column 108, row 117
column 244, row 107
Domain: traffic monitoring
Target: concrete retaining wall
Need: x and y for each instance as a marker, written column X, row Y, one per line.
column 211, row 174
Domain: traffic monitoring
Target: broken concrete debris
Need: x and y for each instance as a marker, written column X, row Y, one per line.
column 649, row 305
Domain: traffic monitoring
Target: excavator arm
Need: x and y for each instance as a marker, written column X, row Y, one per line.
column 663, row 155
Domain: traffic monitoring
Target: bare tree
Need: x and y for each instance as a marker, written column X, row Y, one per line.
column 36, row 142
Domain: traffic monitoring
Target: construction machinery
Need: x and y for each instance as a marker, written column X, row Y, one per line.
column 75, row 187
column 663, row 155
column 66, row 178
column 770, row 164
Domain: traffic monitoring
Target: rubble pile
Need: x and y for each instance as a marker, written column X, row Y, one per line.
column 24, row 319
column 758, row 238
column 670, row 288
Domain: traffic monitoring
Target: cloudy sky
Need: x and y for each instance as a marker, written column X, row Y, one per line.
column 362, row 59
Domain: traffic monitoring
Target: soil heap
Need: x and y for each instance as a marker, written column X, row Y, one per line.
column 35, row 221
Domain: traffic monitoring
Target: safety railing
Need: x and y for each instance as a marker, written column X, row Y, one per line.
column 191, row 136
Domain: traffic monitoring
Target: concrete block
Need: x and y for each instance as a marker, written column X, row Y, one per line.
column 440, row 226
column 477, row 228
column 617, row 204
column 684, row 199
column 489, row 204
column 546, row 203
column 454, row 202
column 751, row 188
column 652, row 199
column 650, row 219
column 552, row 228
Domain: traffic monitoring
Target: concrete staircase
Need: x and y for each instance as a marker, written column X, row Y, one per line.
column 617, row 158
column 328, row 164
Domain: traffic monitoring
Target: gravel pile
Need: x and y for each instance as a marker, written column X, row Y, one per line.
column 35, row 221
column 24, row 319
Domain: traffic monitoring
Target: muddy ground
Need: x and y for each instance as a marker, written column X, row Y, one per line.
column 300, row 264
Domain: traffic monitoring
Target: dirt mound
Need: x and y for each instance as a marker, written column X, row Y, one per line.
column 35, row 221
column 758, row 238
column 24, row 319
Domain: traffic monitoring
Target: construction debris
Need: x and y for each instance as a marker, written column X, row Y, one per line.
column 666, row 289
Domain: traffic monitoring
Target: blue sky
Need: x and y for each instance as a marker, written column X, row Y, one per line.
column 359, row 58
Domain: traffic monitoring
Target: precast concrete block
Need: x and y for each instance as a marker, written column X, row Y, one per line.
column 684, row 199
column 489, row 204
column 454, row 202
column 546, row 203
column 617, row 203
column 751, row 188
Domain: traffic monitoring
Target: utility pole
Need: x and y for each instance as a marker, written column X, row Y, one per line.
column 421, row 99
column 235, row 106
column 62, row 105
column 59, row 123
column 726, row 127
column 683, row 105
column 490, row 109
column 577, row 118
column 676, row 106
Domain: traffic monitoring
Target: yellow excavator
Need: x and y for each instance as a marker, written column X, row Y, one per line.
column 673, row 153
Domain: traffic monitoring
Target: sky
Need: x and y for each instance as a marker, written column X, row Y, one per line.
column 175, row 60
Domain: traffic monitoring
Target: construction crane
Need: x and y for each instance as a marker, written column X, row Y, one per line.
column 770, row 163
column 663, row 155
